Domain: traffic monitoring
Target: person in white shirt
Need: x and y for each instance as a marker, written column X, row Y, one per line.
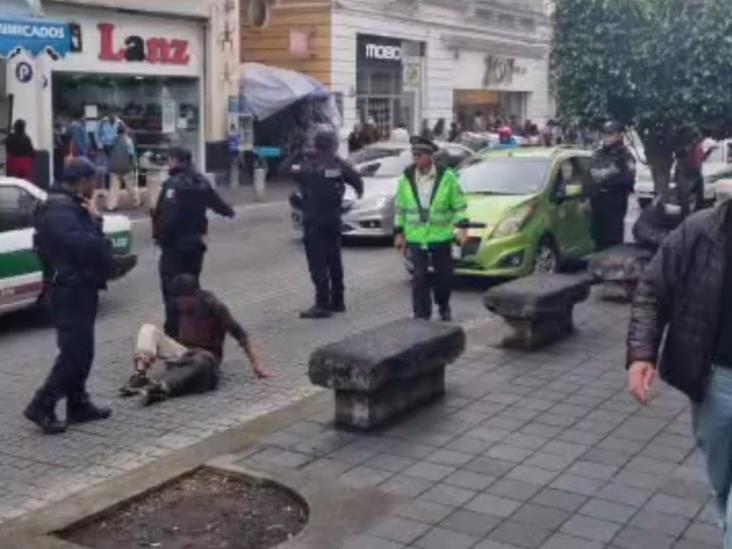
column 400, row 134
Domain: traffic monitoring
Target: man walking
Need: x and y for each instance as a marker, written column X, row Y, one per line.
column 77, row 263
column 321, row 179
column 167, row 367
column 430, row 207
column 613, row 171
column 681, row 326
column 180, row 225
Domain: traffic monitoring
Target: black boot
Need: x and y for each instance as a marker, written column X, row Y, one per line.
column 82, row 410
column 41, row 411
column 316, row 312
column 446, row 314
column 337, row 305
column 154, row 393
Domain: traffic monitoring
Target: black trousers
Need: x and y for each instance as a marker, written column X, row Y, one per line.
column 608, row 219
column 440, row 257
column 196, row 372
column 173, row 262
column 323, row 250
column 74, row 312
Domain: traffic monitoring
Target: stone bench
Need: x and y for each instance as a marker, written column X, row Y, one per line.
column 618, row 269
column 539, row 307
column 382, row 373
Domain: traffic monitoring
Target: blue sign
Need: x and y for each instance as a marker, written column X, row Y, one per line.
column 34, row 35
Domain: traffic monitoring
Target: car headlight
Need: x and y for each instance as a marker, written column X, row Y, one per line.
column 514, row 221
column 371, row 203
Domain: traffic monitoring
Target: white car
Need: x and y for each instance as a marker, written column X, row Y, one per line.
column 21, row 280
column 381, row 165
column 717, row 167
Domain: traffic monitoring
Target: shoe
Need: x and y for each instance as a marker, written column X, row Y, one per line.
column 446, row 314
column 135, row 385
column 45, row 418
column 316, row 312
column 337, row 307
column 84, row 411
column 153, row 393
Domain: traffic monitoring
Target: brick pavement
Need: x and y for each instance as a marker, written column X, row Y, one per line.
column 256, row 266
column 542, row 450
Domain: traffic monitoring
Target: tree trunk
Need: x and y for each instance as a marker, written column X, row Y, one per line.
column 661, row 160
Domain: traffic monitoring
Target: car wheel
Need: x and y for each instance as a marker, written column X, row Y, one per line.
column 546, row 259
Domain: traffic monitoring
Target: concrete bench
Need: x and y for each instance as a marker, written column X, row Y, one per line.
column 385, row 372
column 539, row 307
column 618, row 269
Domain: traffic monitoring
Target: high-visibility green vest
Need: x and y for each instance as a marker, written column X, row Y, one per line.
column 428, row 224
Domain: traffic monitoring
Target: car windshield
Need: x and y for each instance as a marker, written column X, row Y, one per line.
column 505, row 176
column 368, row 154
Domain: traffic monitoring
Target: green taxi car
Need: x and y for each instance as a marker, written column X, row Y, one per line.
column 528, row 210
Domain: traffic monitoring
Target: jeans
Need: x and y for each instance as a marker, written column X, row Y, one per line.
column 712, row 424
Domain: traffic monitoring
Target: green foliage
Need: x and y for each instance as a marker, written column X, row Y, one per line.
column 663, row 67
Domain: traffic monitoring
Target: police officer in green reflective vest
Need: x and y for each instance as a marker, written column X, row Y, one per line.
column 430, row 213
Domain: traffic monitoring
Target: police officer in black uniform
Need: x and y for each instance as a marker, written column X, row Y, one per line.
column 180, row 225
column 613, row 172
column 321, row 179
column 77, row 264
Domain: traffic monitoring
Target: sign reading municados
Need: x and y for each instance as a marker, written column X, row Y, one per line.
column 33, row 36
column 54, row 31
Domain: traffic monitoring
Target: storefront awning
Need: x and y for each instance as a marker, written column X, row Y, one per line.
column 34, row 36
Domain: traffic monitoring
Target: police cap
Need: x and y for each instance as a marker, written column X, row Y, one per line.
column 183, row 156
column 325, row 139
column 422, row 145
column 611, row 127
column 78, row 169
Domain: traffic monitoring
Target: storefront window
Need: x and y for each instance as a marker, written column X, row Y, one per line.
column 159, row 112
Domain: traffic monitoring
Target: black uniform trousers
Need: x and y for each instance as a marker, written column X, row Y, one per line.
column 173, row 262
column 323, row 250
column 422, row 289
column 74, row 312
column 608, row 219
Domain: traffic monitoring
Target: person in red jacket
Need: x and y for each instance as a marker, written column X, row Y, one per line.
column 21, row 153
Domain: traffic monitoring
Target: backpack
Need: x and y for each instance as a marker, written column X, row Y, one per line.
column 120, row 160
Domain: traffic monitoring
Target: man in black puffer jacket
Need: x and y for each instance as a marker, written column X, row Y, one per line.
column 681, row 327
column 180, row 224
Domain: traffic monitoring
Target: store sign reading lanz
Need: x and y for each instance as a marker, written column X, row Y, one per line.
column 163, row 51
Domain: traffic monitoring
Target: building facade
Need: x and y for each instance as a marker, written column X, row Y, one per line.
column 166, row 68
column 406, row 61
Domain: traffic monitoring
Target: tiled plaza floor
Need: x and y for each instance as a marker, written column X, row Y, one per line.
column 542, row 450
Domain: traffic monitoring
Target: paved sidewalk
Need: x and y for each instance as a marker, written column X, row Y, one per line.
column 541, row 450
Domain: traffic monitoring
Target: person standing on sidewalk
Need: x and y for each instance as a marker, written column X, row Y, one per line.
column 78, row 262
column 321, row 179
column 20, row 152
column 180, row 225
column 430, row 207
column 681, row 328
column 122, row 170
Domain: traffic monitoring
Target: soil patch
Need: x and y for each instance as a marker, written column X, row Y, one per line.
column 206, row 509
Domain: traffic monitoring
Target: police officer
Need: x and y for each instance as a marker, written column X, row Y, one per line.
column 430, row 209
column 77, row 263
column 613, row 171
column 180, row 225
column 321, row 179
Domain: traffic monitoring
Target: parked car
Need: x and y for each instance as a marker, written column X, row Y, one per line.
column 528, row 212
column 717, row 167
column 21, row 281
column 381, row 165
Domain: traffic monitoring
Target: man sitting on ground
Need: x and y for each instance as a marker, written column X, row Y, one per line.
column 166, row 368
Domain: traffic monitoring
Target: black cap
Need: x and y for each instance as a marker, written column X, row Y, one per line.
column 611, row 127
column 423, row 145
column 181, row 155
column 78, row 168
column 325, row 140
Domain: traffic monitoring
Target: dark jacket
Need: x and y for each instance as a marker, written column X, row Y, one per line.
column 180, row 214
column 680, row 296
column 71, row 243
column 613, row 169
column 19, row 144
column 322, row 184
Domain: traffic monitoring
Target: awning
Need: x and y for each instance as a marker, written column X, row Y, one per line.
column 34, row 36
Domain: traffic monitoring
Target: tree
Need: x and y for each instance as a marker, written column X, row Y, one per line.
column 662, row 67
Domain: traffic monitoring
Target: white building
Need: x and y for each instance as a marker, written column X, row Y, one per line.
column 165, row 67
